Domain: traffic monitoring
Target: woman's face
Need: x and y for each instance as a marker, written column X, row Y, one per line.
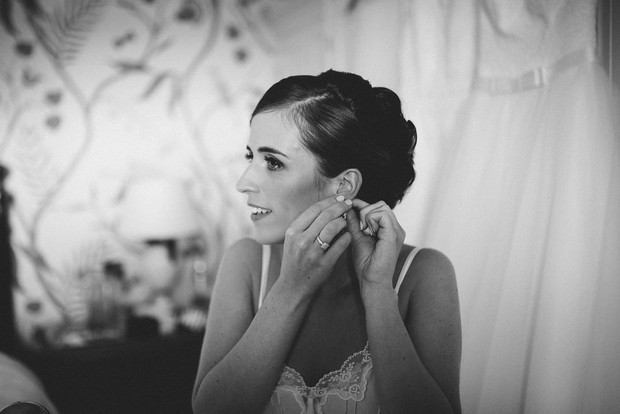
column 280, row 180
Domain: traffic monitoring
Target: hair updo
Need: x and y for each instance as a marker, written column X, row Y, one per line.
column 346, row 123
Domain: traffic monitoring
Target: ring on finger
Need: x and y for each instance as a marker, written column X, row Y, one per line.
column 324, row 246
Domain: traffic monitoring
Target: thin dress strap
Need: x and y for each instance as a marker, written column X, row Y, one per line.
column 405, row 268
column 264, row 274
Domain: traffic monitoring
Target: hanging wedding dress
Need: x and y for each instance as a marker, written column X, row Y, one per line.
column 518, row 183
column 525, row 200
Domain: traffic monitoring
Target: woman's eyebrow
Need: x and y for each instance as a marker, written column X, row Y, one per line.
column 272, row 150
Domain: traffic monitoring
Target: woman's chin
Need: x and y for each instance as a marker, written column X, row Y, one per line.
column 265, row 238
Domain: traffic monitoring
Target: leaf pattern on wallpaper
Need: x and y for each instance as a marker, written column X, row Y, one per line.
column 65, row 32
column 83, row 263
column 32, row 8
column 74, row 24
column 35, row 163
column 61, row 33
column 51, row 280
column 153, row 85
column 129, row 66
column 30, row 78
column 6, row 17
column 53, row 97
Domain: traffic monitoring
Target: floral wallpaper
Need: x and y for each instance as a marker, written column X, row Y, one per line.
column 122, row 126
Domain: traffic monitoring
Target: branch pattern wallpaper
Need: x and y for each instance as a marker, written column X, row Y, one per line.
column 98, row 97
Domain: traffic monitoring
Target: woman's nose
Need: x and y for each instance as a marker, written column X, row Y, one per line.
column 246, row 183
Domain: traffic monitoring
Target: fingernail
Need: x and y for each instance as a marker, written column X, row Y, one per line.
column 362, row 225
column 340, row 198
column 348, row 202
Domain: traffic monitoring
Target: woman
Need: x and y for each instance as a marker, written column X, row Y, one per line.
column 320, row 313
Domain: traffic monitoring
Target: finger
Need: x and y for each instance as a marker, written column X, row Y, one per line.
column 370, row 231
column 384, row 224
column 359, row 204
column 331, row 230
column 308, row 217
column 378, row 216
column 335, row 251
column 376, row 221
column 367, row 209
column 353, row 225
column 329, row 214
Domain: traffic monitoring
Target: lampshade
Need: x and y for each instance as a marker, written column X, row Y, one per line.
column 157, row 208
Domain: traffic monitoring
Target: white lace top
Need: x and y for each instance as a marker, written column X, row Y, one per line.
column 350, row 389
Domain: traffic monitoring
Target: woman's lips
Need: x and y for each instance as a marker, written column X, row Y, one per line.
column 258, row 213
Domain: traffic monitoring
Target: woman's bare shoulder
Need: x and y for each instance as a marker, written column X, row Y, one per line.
column 241, row 257
column 426, row 259
column 429, row 269
column 432, row 261
column 243, row 250
column 246, row 245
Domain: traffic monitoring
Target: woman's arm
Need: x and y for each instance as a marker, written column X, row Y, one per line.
column 243, row 355
column 416, row 361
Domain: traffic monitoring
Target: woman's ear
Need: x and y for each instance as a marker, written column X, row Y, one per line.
column 349, row 183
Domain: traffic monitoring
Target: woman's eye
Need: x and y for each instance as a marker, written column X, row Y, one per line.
column 273, row 163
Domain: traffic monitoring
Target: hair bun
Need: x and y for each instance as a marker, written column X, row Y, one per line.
column 414, row 136
column 345, row 122
column 355, row 91
column 401, row 131
column 383, row 130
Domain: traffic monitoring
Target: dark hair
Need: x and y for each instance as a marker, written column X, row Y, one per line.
column 346, row 123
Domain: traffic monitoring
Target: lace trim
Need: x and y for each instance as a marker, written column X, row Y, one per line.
column 348, row 382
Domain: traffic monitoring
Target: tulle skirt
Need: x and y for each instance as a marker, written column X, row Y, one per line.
column 525, row 201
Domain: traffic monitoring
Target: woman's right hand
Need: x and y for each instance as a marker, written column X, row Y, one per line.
column 305, row 264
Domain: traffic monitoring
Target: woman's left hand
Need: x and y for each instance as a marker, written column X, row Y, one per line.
column 376, row 243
